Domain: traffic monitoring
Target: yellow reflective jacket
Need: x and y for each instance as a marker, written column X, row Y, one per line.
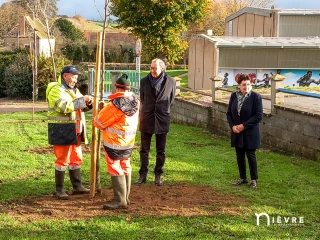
column 63, row 103
column 118, row 121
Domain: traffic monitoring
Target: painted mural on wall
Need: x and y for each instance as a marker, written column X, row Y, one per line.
column 262, row 77
column 304, row 78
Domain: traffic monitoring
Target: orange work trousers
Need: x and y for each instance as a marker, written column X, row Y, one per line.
column 69, row 155
column 118, row 167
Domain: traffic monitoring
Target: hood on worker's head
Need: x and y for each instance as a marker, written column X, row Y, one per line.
column 128, row 103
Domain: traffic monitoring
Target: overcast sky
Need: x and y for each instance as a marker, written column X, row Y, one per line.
column 87, row 9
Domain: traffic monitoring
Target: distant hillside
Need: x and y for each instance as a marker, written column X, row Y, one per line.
column 90, row 26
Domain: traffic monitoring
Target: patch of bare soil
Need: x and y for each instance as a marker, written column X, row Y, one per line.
column 146, row 200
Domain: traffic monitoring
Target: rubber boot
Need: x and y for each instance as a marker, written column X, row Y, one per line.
column 60, row 193
column 128, row 182
column 119, row 191
column 77, row 187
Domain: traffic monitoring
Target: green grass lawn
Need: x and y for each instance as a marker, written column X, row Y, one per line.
column 98, row 27
column 288, row 187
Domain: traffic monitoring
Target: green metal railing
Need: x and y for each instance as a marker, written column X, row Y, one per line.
column 133, row 76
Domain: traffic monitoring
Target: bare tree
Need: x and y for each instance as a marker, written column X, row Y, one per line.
column 44, row 10
column 105, row 25
column 9, row 17
column 52, row 8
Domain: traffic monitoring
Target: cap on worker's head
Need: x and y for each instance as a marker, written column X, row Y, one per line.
column 70, row 69
column 123, row 82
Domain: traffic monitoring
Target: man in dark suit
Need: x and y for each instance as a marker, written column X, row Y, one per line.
column 157, row 92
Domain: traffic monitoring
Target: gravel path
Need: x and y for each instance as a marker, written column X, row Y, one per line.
column 12, row 105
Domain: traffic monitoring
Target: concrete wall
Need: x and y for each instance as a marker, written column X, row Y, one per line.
column 188, row 113
column 291, row 130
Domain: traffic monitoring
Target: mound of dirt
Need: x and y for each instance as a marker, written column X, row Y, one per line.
column 146, row 200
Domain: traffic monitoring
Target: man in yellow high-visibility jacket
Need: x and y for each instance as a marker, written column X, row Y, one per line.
column 67, row 128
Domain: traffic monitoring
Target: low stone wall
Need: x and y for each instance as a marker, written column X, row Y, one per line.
column 188, row 113
column 290, row 129
column 293, row 130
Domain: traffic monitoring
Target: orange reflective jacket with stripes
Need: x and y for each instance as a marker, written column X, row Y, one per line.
column 118, row 121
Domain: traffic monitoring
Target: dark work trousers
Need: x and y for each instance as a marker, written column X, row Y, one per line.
column 251, row 155
column 145, row 149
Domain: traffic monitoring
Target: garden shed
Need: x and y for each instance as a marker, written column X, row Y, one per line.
column 261, row 57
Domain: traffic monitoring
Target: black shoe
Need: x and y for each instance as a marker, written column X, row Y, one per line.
column 240, row 182
column 157, row 180
column 253, row 184
column 141, row 179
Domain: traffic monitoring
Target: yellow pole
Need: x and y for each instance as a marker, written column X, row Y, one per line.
column 95, row 112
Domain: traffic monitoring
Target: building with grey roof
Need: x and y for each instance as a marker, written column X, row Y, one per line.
column 259, row 42
column 256, row 22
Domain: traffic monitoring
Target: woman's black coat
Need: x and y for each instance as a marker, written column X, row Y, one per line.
column 250, row 116
column 155, row 110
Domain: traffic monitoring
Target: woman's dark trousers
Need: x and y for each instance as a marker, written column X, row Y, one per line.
column 241, row 160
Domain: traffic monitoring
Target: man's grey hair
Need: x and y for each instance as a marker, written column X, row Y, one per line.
column 161, row 63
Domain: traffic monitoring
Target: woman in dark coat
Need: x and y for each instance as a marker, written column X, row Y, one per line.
column 243, row 115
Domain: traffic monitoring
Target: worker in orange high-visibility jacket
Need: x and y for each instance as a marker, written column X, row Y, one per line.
column 118, row 121
column 67, row 128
